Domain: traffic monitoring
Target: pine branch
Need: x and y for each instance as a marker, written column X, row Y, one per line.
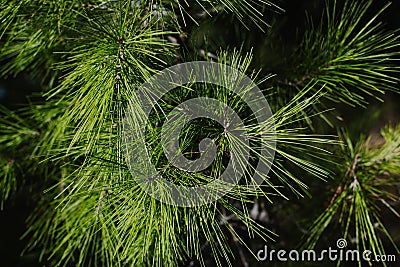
column 366, row 187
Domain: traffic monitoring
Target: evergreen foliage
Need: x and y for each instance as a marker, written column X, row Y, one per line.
column 90, row 57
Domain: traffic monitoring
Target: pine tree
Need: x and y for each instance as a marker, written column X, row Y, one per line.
column 70, row 146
